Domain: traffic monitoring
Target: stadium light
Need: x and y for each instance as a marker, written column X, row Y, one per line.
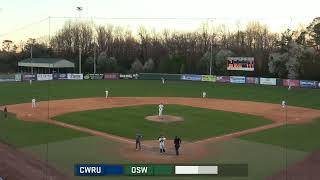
column 79, row 9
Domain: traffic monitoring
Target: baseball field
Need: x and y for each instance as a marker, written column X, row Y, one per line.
column 236, row 124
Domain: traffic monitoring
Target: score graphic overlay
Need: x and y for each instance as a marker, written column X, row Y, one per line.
column 240, row 63
column 160, row 170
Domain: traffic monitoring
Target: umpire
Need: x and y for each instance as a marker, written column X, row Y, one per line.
column 177, row 143
column 138, row 141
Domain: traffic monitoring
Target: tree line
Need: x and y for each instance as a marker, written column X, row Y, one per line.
column 289, row 54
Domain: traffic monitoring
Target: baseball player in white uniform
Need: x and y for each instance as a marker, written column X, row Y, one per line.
column 161, row 106
column 33, row 103
column 204, row 94
column 289, row 84
column 161, row 142
column 283, row 104
column 107, row 94
column 163, row 80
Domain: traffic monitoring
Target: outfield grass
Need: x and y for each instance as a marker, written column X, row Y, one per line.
column 17, row 92
column 302, row 137
column 198, row 123
column 21, row 133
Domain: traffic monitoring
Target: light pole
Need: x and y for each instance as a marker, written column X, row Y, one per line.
column 31, row 54
column 211, row 39
column 31, row 59
column 94, row 58
column 79, row 9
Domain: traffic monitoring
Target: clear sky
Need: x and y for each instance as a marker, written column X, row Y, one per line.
column 275, row 13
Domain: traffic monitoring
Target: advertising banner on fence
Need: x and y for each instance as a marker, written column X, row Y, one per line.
column 93, row 76
column 28, row 77
column 7, row 78
column 223, row 78
column 252, row 80
column 17, row 77
column 74, row 76
column 159, row 76
column 111, row 76
column 268, row 81
column 291, row 82
column 238, row 79
column 279, row 82
column 129, row 76
column 191, row 77
column 308, row 84
column 58, row 76
column 44, row 77
column 209, row 78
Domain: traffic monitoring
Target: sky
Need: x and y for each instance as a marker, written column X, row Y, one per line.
column 16, row 16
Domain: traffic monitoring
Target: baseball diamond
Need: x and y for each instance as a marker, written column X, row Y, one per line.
column 211, row 128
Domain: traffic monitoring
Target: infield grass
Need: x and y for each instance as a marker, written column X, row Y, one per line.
column 18, row 92
column 198, row 123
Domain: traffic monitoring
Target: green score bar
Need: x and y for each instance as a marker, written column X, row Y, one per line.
column 160, row 170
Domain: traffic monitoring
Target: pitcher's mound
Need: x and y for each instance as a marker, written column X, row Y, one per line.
column 164, row 118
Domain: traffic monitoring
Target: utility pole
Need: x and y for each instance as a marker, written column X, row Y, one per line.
column 79, row 9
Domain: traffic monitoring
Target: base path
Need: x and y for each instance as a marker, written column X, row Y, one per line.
column 49, row 109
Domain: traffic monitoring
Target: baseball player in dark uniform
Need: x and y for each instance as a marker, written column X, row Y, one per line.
column 177, row 143
column 5, row 110
column 138, row 141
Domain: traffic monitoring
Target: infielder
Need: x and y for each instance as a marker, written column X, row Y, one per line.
column 204, row 94
column 283, row 104
column 33, row 102
column 161, row 106
column 161, row 142
column 107, row 93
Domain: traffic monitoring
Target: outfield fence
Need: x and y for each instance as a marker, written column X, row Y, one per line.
column 159, row 76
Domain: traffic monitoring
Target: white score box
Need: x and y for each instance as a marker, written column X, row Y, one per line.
column 185, row 170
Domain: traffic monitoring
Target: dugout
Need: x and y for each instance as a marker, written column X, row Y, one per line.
column 45, row 65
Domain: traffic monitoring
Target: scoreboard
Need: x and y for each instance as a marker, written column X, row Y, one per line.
column 241, row 63
column 240, row 170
